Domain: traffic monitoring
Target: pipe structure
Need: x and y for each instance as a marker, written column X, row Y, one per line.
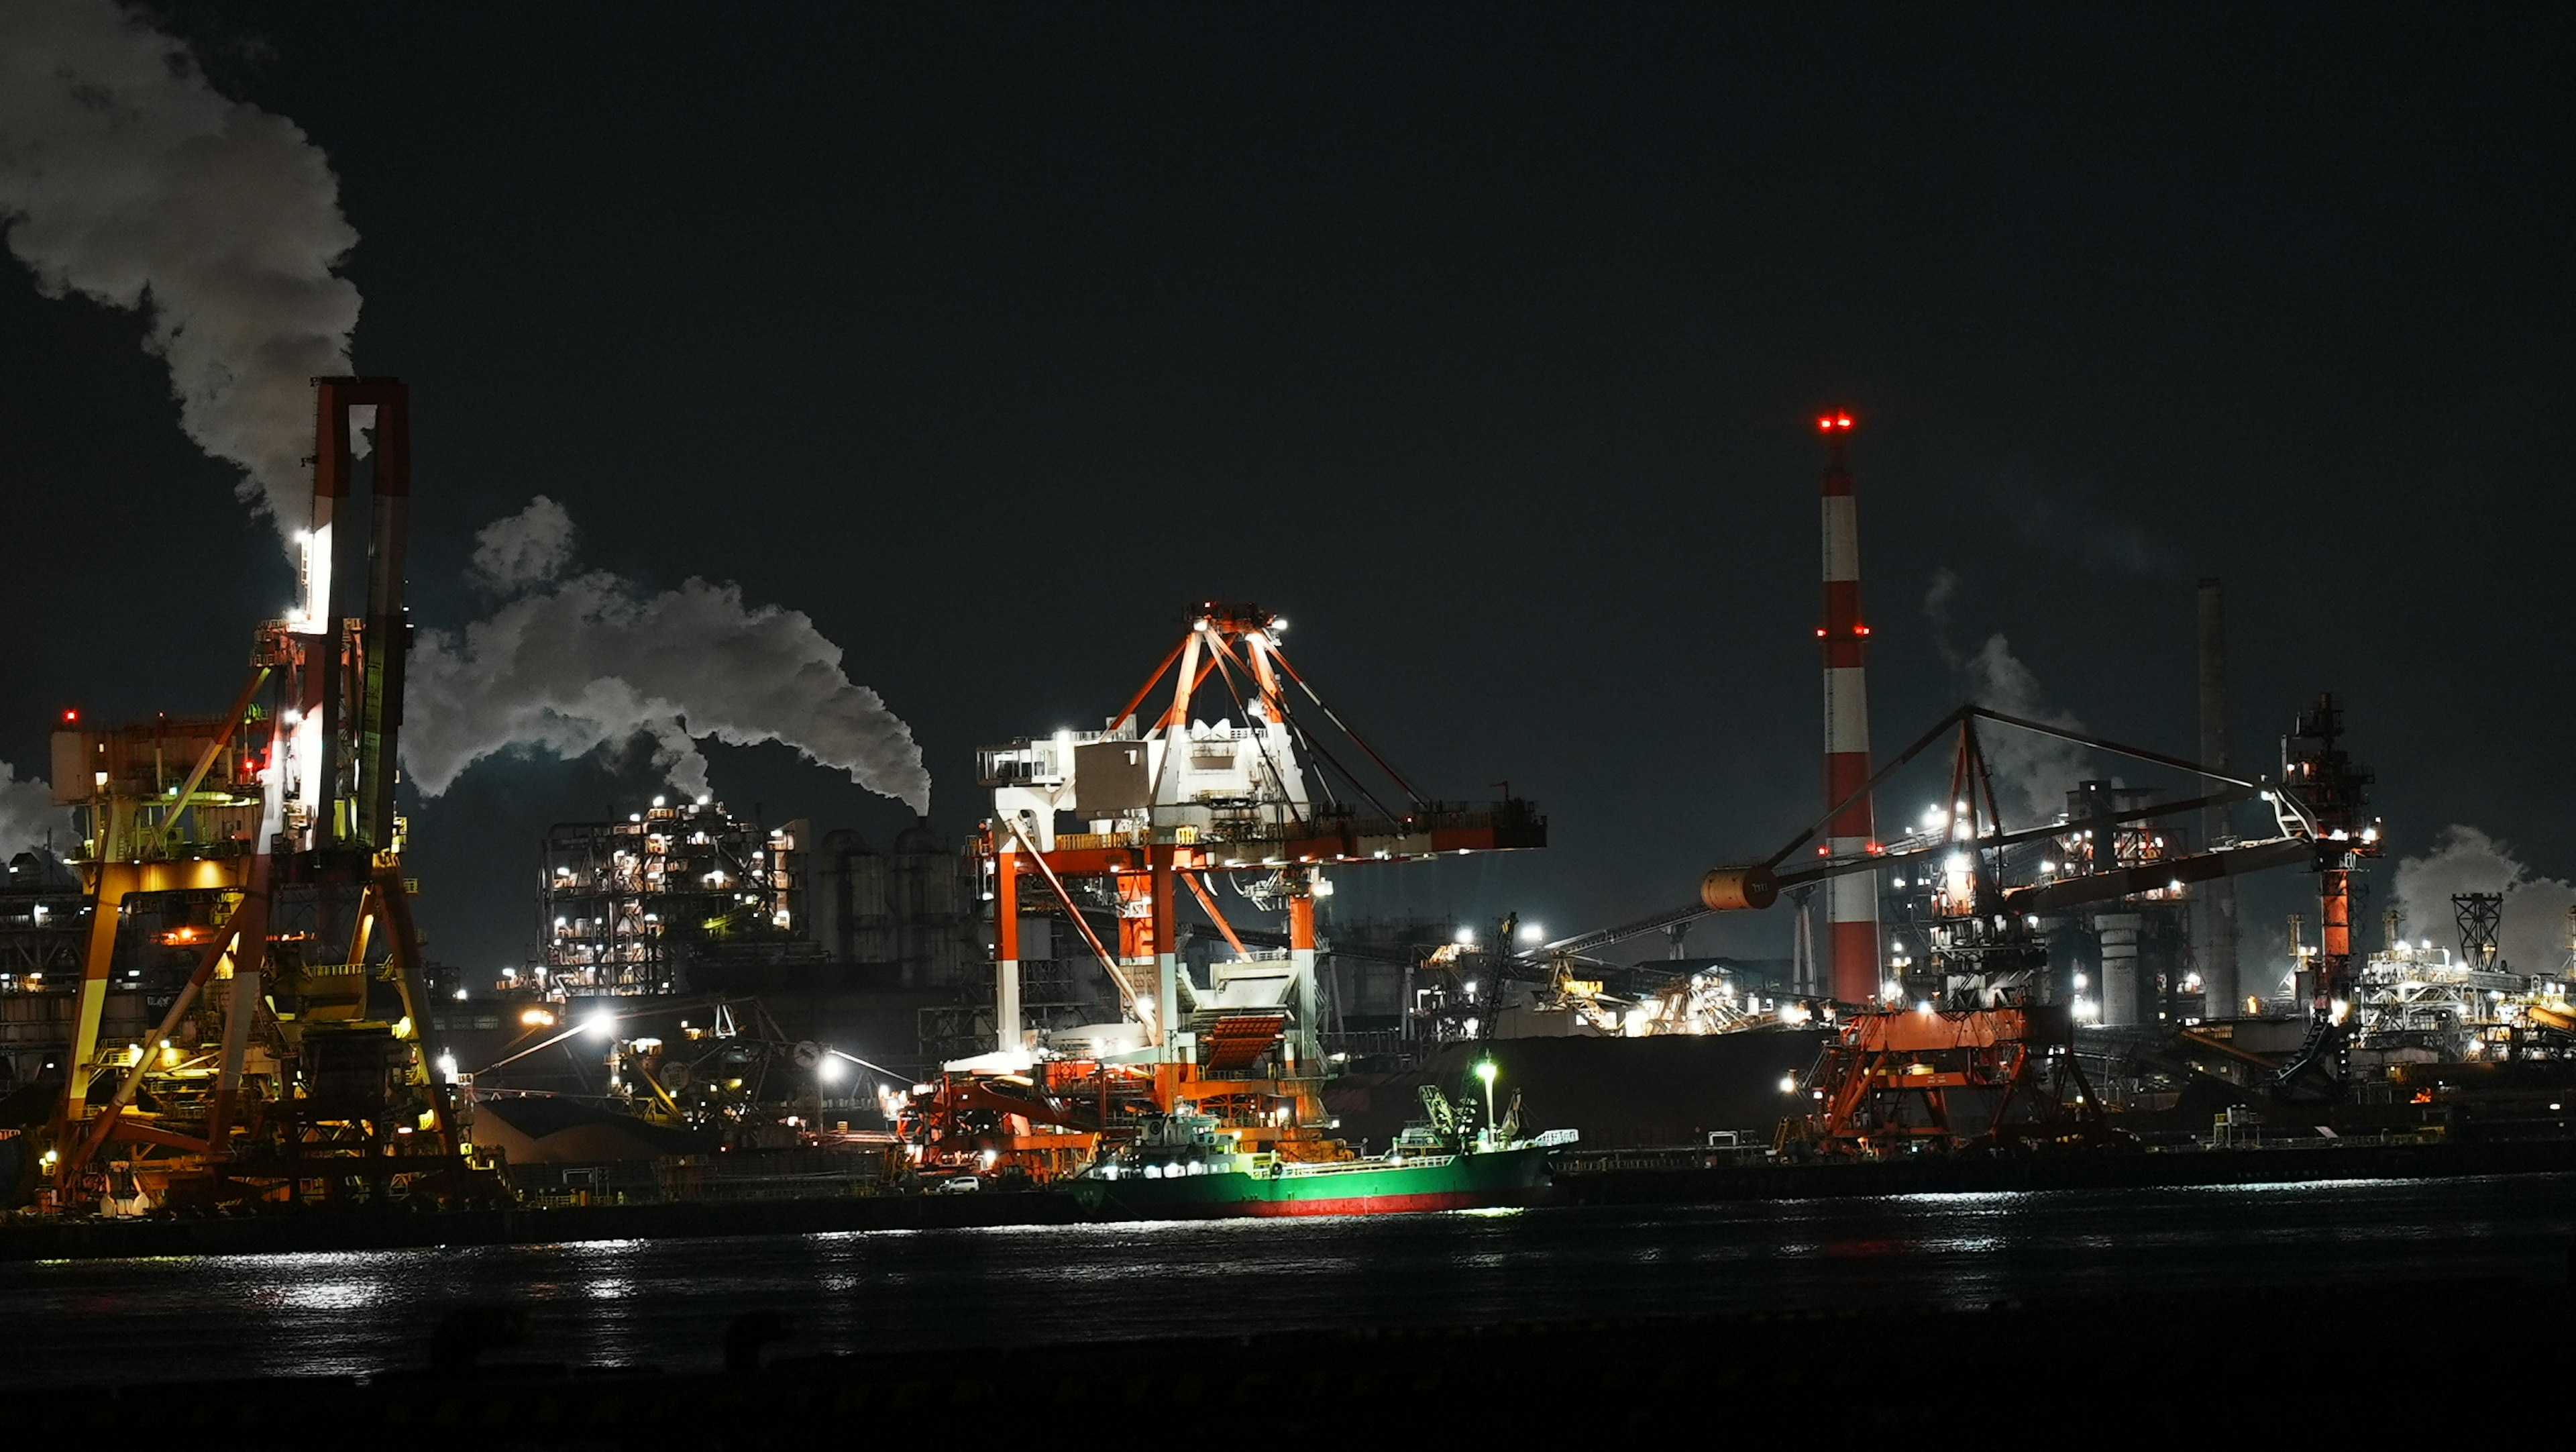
column 1851, row 945
column 2218, row 972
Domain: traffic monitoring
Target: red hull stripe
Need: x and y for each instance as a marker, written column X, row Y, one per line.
column 1376, row 1204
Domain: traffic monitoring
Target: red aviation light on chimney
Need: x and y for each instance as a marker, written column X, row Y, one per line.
column 71, row 717
column 1833, row 421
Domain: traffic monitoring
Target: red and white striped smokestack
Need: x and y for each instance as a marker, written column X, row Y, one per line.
column 1851, row 899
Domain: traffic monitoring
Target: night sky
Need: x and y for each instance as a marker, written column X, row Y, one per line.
column 1483, row 342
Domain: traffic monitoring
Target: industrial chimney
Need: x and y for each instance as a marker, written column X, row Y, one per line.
column 1851, row 899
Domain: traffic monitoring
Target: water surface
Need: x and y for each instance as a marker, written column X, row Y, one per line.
column 666, row 1302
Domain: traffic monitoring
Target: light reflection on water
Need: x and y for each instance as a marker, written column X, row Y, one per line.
column 666, row 1302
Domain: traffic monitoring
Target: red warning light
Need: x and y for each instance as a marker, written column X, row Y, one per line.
column 1860, row 630
column 71, row 718
column 1826, row 423
column 1842, row 421
column 1820, row 632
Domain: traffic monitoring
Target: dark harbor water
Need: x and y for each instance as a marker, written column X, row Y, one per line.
column 666, row 1302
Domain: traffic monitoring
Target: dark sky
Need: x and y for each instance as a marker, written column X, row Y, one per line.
column 1482, row 342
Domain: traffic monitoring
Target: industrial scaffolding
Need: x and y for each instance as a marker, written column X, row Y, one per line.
column 616, row 899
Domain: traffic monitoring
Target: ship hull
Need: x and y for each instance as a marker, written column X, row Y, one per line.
column 1496, row 1179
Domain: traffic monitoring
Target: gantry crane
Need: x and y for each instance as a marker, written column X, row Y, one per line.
column 1225, row 764
column 1986, row 1057
column 291, row 1063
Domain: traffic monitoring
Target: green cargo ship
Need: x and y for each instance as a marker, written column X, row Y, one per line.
column 1188, row 1168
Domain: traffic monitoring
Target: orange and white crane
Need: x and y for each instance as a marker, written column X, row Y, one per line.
column 1225, row 764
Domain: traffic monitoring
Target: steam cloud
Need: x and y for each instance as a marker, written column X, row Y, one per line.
column 126, row 179
column 573, row 661
column 2464, row 860
column 27, row 813
column 2032, row 773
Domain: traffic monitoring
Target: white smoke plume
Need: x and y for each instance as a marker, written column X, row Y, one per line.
column 2464, row 860
column 27, row 813
column 529, row 548
column 2032, row 773
column 126, row 179
column 576, row 660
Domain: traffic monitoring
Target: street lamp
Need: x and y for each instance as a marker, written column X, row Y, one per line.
column 1486, row 1070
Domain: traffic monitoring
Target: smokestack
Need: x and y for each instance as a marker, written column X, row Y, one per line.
column 1851, row 899
column 2218, row 976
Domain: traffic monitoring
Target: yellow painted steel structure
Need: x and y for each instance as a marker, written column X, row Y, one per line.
column 293, row 788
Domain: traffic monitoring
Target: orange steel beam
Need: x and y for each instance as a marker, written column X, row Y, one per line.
column 1136, row 702
column 1126, row 990
column 1208, row 900
column 1185, row 681
column 1261, row 675
column 1269, row 698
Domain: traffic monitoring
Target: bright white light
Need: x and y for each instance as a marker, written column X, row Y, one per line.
column 1466, row 937
column 601, row 1024
column 460, row 995
column 657, row 801
column 829, row 1070
column 1532, row 933
column 2080, row 980
column 447, row 1067
column 1788, row 1083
